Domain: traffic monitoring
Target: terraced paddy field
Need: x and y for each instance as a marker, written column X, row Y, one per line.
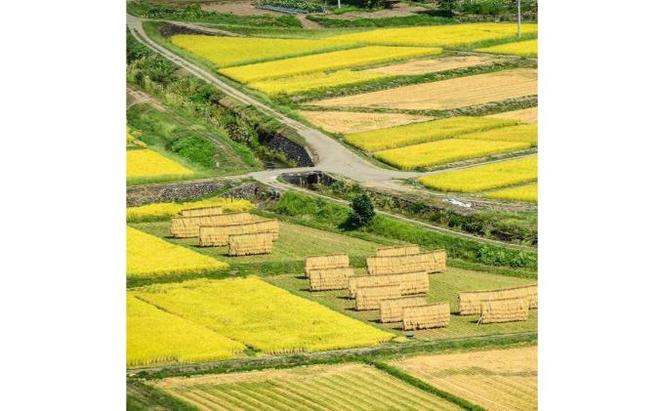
column 321, row 387
column 501, row 380
column 146, row 163
column 425, row 66
column 355, row 122
column 446, row 94
column 313, row 81
column 526, row 48
column 443, row 287
column 527, row 115
column 526, row 192
column 163, row 211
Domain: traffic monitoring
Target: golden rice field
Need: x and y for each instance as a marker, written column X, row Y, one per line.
column 423, row 132
column 149, row 257
column 415, row 67
column 157, row 337
column 228, row 51
column 525, row 48
column 446, row 94
column 148, row 163
column 449, row 35
column 162, row 211
column 526, row 133
column 526, row 115
column 319, row 387
column 306, row 82
column 334, row 60
column 262, row 316
column 445, row 151
column 500, row 379
column 484, row 177
column 526, row 192
column 346, row 122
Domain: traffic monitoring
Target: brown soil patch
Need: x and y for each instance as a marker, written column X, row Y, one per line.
column 398, row 9
column 351, row 122
column 433, row 65
column 241, row 8
column 446, row 94
column 527, row 115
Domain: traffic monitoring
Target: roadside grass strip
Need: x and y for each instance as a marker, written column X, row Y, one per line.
column 163, row 211
column 157, row 337
column 525, row 48
column 526, row 133
column 149, row 163
column 149, row 257
column 262, row 316
column 348, row 386
column 445, row 151
column 451, row 35
column 306, row 82
column 228, row 51
column 325, row 61
column 526, row 192
column 484, row 177
column 424, row 132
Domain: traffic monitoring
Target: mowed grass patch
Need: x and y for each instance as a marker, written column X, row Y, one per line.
column 146, row 163
column 452, row 35
column 417, row 133
column 325, row 61
column 500, row 379
column 261, row 316
column 445, row 151
column 228, row 51
column 313, row 81
column 445, row 94
column 156, row 337
column 355, row 122
column 164, row 211
column 319, row 387
column 443, row 287
column 526, row 115
column 525, row 48
column 526, row 192
column 484, row 177
column 151, row 257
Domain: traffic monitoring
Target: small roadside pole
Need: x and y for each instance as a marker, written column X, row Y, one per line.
column 339, row 4
column 518, row 18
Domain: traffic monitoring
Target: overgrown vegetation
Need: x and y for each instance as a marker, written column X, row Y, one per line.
column 295, row 5
column 362, row 212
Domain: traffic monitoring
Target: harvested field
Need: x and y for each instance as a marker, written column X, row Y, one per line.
column 526, row 48
column 432, row 262
column 319, row 387
column 423, row 317
column 163, row 211
column 330, row 279
column 527, row 115
column 445, row 151
column 218, row 235
column 148, row 163
column 250, row 244
column 392, row 310
column 369, row 298
column 265, row 317
column 326, row 262
column 433, row 65
column 501, row 311
column 334, row 60
column 446, row 94
column 408, row 283
column 485, row 176
column 189, row 227
column 526, row 192
column 354, row 122
column 470, row 302
column 503, row 379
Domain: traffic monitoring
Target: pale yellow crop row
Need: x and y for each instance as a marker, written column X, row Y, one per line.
column 484, row 177
column 148, row 163
column 305, row 82
column 526, row 192
column 161, row 211
column 526, row 48
column 526, row 133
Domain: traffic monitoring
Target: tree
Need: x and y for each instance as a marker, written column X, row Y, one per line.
column 363, row 211
column 447, row 7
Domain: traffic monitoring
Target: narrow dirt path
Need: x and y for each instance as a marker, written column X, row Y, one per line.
column 308, row 24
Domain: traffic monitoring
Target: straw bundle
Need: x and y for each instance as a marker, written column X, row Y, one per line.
column 408, row 283
column 432, row 262
column 392, row 310
column 187, row 227
column 217, row 235
column 426, row 316
column 326, row 262
column 398, row 250
column 330, row 279
column 514, row 309
column 202, row 211
column 470, row 302
column 248, row 244
column 369, row 298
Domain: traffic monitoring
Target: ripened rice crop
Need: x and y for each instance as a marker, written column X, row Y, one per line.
column 148, row 163
column 163, row 211
column 149, row 256
column 305, row 82
column 228, row 51
column 319, row 387
column 325, row 61
column 445, row 35
column 484, row 177
column 526, row 133
column 526, row 48
column 446, row 94
column 423, row 132
column 157, row 337
column 444, row 151
column 355, row 122
column 260, row 315
column 502, row 379
column 526, row 192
